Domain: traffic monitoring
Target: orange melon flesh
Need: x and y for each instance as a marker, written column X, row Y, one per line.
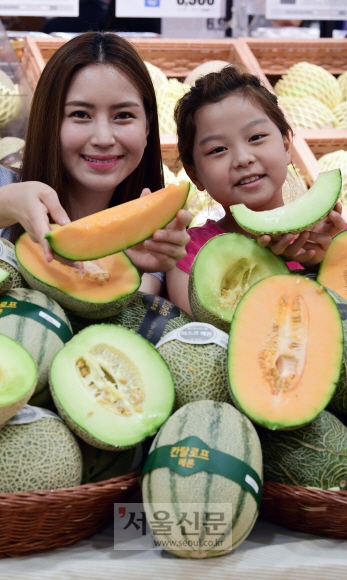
column 120, row 227
column 120, row 278
column 285, row 351
column 333, row 270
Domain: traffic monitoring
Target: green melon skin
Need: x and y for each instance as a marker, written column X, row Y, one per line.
column 99, row 464
column 132, row 316
column 297, row 216
column 230, row 263
column 221, row 427
column 38, row 456
column 9, row 274
column 111, row 387
column 312, row 456
column 199, row 371
column 18, row 377
column 41, row 342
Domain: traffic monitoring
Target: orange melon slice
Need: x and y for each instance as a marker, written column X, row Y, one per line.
column 99, row 290
column 285, row 351
column 333, row 269
column 120, row 227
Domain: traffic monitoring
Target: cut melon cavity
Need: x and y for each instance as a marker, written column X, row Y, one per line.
column 98, row 290
column 18, row 377
column 282, row 368
column 111, row 387
column 120, row 227
column 223, row 270
column 300, row 214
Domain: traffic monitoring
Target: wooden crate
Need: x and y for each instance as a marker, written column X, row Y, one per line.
column 271, row 58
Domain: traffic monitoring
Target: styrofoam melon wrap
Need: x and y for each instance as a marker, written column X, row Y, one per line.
column 159, row 79
column 340, row 113
column 336, row 160
column 9, row 99
column 304, row 79
column 167, row 98
column 169, row 176
column 308, row 112
column 342, row 80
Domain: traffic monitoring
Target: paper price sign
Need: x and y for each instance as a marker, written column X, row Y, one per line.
column 35, row 8
column 170, row 8
column 307, row 9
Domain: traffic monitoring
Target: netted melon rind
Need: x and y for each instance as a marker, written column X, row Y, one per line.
column 37, row 456
column 308, row 112
column 303, row 79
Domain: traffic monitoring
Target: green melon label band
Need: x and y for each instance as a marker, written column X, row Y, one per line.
column 10, row 306
column 191, row 455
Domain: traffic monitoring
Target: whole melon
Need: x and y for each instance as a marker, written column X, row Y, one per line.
column 203, row 69
column 340, row 114
column 180, row 472
column 342, row 80
column 158, row 77
column 308, row 112
column 40, row 325
column 37, row 452
column 8, row 263
column 312, row 456
column 336, row 160
column 196, row 355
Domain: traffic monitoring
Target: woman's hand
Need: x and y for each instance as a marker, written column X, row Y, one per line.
column 29, row 203
column 309, row 247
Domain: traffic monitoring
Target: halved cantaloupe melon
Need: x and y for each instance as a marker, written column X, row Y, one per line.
column 95, row 292
column 120, row 227
column 285, row 351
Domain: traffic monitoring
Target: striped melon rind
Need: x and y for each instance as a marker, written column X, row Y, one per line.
column 223, row 270
column 130, row 317
column 223, row 428
column 37, row 456
column 14, row 280
column 312, row 456
column 41, row 342
column 199, row 371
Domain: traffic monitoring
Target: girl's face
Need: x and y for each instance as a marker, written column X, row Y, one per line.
column 239, row 155
column 103, row 134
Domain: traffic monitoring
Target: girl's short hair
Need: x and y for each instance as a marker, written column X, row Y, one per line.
column 42, row 160
column 214, row 87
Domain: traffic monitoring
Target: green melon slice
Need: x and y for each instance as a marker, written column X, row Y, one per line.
column 111, row 386
column 313, row 456
column 298, row 215
column 18, row 377
column 223, row 270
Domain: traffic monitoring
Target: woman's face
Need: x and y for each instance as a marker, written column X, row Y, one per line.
column 103, row 135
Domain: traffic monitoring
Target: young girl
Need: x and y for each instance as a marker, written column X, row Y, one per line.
column 235, row 142
column 92, row 142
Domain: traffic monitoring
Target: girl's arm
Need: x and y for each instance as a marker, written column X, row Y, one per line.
column 29, row 204
column 177, row 289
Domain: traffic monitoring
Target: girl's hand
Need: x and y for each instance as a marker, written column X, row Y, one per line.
column 29, row 203
column 309, row 247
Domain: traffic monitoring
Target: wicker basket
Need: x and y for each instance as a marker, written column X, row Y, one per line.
column 44, row 520
column 313, row 511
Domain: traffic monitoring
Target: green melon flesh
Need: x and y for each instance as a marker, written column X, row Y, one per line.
column 222, row 428
column 111, row 386
column 312, row 456
column 18, row 377
column 223, row 270
column 3, row 276
column 298, row 215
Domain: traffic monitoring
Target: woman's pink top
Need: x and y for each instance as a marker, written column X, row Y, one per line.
column 200, row 235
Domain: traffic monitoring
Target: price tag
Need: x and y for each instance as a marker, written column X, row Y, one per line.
column 34, row 8
column 306, row 9
column 170, row 8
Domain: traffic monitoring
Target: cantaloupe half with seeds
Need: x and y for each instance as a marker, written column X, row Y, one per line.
column 120, row 227
column 18, row 377
column 299, row 215
column 223, row 270
column 333, row 269
column 285, row 351
column 98, row 290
